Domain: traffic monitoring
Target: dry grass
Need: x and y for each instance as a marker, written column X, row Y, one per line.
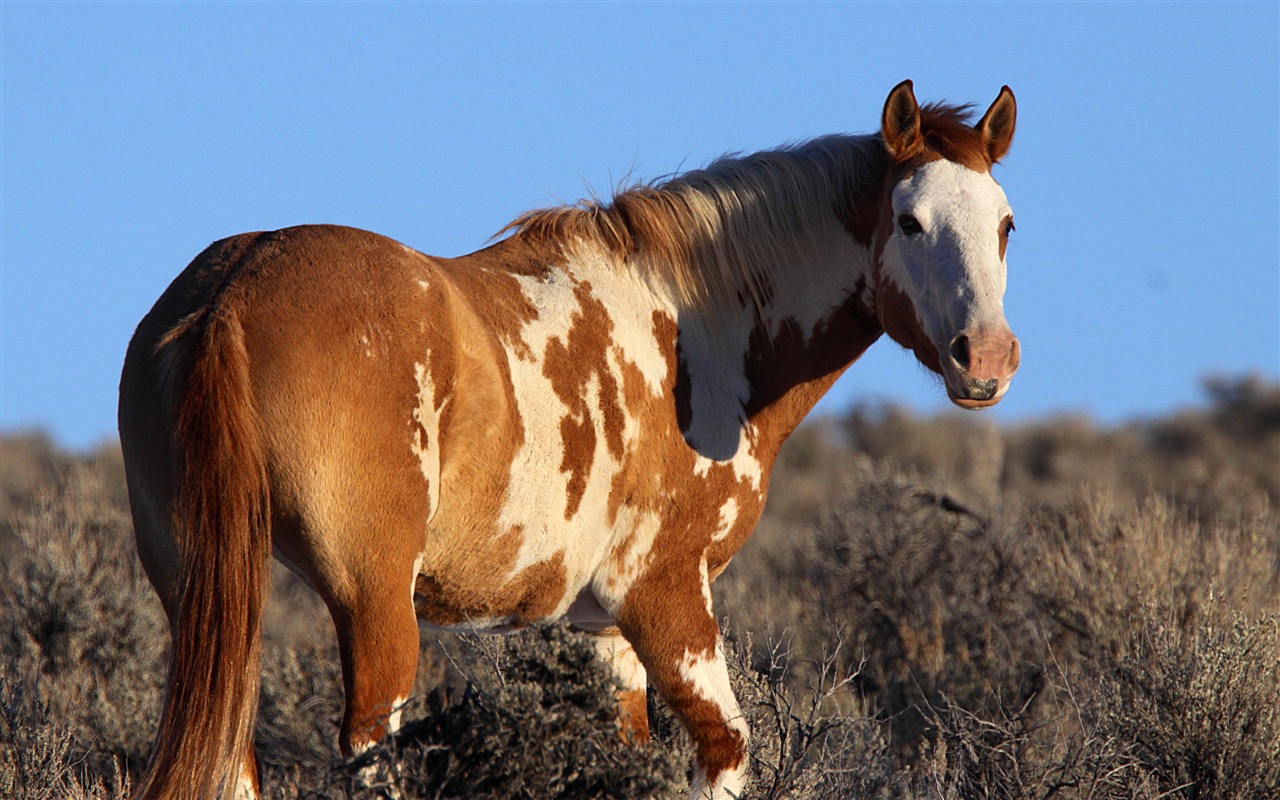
column 933, row 608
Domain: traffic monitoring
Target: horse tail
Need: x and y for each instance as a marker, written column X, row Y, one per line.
column 221, row 525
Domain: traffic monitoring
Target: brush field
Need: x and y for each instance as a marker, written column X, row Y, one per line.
column 931, row 608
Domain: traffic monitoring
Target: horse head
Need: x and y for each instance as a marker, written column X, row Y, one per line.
column 940, row 253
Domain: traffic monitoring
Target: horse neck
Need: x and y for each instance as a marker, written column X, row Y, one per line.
column 756, row 370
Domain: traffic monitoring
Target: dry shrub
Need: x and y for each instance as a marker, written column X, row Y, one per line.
column 38, row 754
column 811, row 737
column 30, row 462
column 81, row 628
column 1198, row 710
column 1102, row 563
column 1051, row 610
column 933, row 597
column 959, row 454
column 992, row 631
column 537, row 720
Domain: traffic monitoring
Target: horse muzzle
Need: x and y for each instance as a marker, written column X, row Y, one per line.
column 978, row 365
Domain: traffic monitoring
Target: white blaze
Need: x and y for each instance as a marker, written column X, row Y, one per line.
column 951, row 270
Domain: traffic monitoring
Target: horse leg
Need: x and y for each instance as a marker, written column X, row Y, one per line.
column 633, row 712
column 378, row 641
column 668, row 619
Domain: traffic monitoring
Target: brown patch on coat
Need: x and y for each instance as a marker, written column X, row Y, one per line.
column 1006, row 227
column 902, row 323
column 488, row 277
column 570, row 365
column 789, row 372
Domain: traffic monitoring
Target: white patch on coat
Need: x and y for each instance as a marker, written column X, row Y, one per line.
column 817, row 280
column 538, row 491
column 631, row 302
column 728, row 516
column 637, row 530
column 951, row 270
column 427, row 415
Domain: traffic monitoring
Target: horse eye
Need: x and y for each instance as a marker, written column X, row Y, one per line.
column 909, row 225
column 1008, row 226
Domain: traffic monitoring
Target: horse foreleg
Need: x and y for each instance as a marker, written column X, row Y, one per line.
column 670, row 624
column 633, row 713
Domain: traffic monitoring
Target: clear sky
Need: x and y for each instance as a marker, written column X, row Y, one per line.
column 1144, row 173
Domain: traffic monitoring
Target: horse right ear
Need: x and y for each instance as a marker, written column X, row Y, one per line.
column 900, row 123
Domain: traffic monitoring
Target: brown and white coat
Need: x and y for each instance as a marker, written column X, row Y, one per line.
column 577, row 422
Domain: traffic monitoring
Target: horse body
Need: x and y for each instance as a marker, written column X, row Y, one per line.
column 577, row 422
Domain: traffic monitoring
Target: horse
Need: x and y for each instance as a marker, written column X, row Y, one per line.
column 576, row 422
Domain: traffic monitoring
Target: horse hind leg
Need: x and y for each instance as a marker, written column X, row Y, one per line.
column 633, row 713
column 378, row 642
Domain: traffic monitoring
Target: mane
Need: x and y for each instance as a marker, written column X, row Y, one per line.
column 721, row 233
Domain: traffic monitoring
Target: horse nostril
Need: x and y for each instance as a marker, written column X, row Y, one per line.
column 959, row 351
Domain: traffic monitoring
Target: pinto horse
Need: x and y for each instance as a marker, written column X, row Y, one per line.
column 576, row 422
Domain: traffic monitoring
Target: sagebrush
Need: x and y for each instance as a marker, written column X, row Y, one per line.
column 932, row 608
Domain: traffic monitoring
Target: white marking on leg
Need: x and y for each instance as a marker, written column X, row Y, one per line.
column 709, row 677
column 397, row 709
column 617, row 652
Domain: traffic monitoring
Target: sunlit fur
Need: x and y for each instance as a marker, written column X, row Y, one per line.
column 577, row 422
column 727, row 231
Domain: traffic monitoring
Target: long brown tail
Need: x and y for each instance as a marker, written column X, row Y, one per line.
column 222, row 529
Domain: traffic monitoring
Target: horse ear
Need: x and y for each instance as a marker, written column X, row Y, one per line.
column 900, row 123
column 996, row 126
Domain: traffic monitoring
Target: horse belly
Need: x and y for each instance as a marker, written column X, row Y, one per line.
column 529, row 564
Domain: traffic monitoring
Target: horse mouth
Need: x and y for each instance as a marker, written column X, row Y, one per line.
column 977, row 394
column 970, row 404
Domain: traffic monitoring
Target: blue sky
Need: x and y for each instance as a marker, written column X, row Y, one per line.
column 1145, row 173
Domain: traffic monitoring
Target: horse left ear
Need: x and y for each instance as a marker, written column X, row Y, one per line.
column 996, row 126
